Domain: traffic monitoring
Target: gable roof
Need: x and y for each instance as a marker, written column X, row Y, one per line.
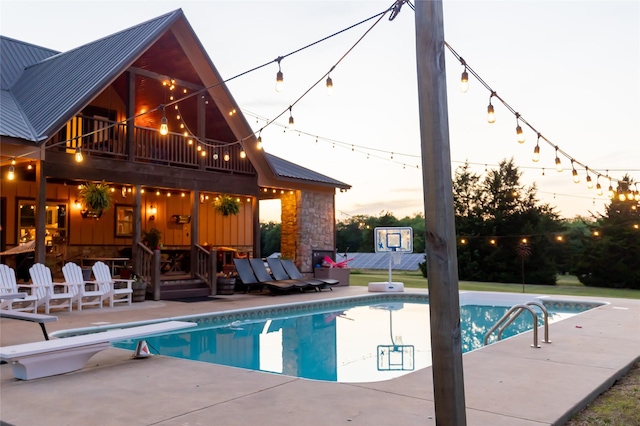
column 47, row 89
column 287, row 170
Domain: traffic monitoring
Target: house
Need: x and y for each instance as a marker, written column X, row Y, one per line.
column 145, row 112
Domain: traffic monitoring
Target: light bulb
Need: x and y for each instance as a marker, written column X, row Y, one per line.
column 164, row 128
column 12, row 173
column 621, row 196
column 576, row 178
column 491, row 116
column 329, row 86
column 279, row 82
column 226, row 156
column 520, row 134
column 243, row 154
column 78, row 155
column 259, row 142
column 610, row 192
column 598, row 189
column 536, row 154
column 589, row 182
column 291, row 124
column 215, row 156
column 559, row 167
column 464, row 81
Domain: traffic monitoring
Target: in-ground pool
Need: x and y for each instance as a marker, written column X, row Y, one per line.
column 357, row 339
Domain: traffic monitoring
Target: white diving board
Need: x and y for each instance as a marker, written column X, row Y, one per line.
column 59, row 356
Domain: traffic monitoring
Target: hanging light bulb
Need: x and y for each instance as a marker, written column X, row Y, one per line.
column 329, row 86
column 610, row 191
column 13, row 161
column 30, row 166
column 589, row 181
column 164, row 127
column 279, row 78
column 464, row 81
column 574, row 173
column 11, row 175
column 78, row 155
column 259, row 141
column 291, row 125
column 621, row 196
column 243, row 154
column 559, row 167
column 536, row 151
column 519, row 133
column 226, row 156
column 598, row 187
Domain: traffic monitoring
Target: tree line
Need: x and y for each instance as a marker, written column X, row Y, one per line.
column 505, row 234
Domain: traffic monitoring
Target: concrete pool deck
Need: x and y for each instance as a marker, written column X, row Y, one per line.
column 508, row 383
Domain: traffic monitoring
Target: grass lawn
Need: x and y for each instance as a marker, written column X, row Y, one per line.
column 619, row 406
column 566, row 285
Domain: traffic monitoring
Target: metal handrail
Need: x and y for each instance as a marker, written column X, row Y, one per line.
column 515, row 310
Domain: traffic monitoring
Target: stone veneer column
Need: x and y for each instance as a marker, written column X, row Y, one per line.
column 308, row 223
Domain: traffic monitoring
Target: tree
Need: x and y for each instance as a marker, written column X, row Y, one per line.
column 611, row 254
column 270, row 237
column 493, row 215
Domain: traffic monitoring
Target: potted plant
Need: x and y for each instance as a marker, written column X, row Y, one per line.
column 227, row 205
column 152, row 238
column 96, row 197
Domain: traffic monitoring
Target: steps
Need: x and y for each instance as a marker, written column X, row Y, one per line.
column 181, row 288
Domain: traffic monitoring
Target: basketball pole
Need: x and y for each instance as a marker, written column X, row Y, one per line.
column 442, row 264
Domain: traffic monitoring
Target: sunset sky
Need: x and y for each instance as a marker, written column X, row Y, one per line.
column 570, row 68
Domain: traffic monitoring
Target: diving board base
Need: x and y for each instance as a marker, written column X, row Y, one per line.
column 52, row 363
column 386, row 287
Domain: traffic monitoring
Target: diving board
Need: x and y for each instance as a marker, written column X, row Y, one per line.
column 59, row 356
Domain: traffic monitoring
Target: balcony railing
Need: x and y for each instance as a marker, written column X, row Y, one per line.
column 104, row 138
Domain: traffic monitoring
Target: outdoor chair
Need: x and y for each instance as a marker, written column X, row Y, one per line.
column 294, row 273
column 280, row 274
column 264, row 277
column 8, row 284
column 249, row 279
column 44, row 289
column 83, row 297
column 119, row 289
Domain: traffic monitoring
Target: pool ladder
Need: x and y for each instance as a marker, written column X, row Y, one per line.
column 513, row 313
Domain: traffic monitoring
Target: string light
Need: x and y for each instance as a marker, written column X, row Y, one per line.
column 464, row 81
column 11, row 175
column 243, row 154
column 226, row 156
column 78, row 155
column 291, row 125
column 164, row 127
column 598, row 186
column 574, row 172
column 491, row 116
column 589, row 181
column 279, row 77
column 536, row 150
column 610, row 192
column 519, row 133
column 259, row 141
column 329, row 86
column 559, row 167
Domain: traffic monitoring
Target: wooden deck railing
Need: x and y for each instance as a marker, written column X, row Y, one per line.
column 206, row 266
column 101, row 137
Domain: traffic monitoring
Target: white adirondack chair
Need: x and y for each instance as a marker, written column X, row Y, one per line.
column 83, row 297
column 120, row 289
column 44, row 289
column 8, row 284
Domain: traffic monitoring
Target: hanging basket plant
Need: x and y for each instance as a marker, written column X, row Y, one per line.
column 152, row 238
column 227, row 205
column 96, row 197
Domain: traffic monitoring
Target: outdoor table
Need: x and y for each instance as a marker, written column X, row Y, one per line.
column 111, row 262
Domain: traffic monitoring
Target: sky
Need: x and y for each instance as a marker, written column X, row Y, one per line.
column 571, row 69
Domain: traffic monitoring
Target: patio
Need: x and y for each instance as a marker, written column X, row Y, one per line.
column 505, row 384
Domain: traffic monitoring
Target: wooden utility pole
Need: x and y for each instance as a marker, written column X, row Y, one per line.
column 442, row 264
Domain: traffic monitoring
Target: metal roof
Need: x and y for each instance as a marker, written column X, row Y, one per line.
column 286, row 169
column 50, row 90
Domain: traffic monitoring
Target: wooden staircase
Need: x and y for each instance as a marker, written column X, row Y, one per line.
column 181, row 288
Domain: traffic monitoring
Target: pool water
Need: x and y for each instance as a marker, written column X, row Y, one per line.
column 372, row 342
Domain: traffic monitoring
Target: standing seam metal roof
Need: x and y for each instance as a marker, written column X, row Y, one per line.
column 285, row 169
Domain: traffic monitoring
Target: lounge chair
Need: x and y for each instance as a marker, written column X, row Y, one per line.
column 43, row 288
column 119, row 289
column 9, row 285
column 294, row 272
column 279, row 273
column 249, row 278
column 264, row 277
column 73, row 275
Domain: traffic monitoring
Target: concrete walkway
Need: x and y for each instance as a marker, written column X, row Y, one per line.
column 507, row 383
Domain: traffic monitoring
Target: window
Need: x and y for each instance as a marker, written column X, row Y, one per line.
column 124, row 221
column 55, row 223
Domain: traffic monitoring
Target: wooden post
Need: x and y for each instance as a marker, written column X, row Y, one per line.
column 442, row 264
column 41, row 212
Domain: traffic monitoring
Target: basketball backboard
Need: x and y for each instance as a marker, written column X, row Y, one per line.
column 394, row 239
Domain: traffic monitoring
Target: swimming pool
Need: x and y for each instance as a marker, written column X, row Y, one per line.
column 355, row 339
